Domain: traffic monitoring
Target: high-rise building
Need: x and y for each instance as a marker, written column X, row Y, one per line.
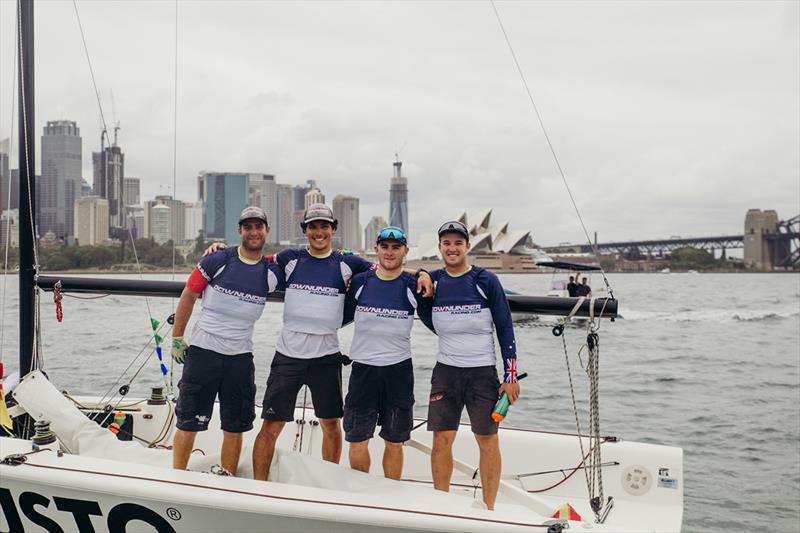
column 9, row 228
column 374, row 226
column 398, row 198
column 177, row 218
column 313, row 196
column 5, row 177
column 160, row 221
column 134, row 221
column 263, row 192
column 86, row 189
column 61, row 178
column 224, row 195
column 91, row 220
column 345, row 210
column 131, row 191
column 193, row 220
column 109, row 170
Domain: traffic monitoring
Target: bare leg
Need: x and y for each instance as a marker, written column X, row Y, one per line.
column 442, row 459
column 331, row 439
column 392, row 459
column 359, row 456
column 231, row 449
column 264, row 447
column 490, row 467
column 182, row 444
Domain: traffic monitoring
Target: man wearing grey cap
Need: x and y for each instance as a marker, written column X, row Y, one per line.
column 219, row 361
column 307, row 351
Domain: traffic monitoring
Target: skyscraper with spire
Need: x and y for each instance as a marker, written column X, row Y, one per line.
column 109, row 171
column 398, row 197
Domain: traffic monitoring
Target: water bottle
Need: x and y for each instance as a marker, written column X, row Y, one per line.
column 501, row 407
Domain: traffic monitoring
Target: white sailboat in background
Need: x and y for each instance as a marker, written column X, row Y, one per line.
column 75, row 474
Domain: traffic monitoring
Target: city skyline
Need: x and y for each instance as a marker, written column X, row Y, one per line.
column 643, row 123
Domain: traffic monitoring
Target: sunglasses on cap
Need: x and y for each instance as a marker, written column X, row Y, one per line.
column 392, row 233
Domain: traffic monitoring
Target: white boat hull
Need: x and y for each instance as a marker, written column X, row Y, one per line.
column 117, row 486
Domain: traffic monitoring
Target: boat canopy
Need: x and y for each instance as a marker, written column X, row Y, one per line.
column 563, row 265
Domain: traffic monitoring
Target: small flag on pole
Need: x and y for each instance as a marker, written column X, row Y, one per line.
column 567, row 512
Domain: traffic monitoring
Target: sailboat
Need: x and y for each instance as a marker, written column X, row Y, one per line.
column 90, row 463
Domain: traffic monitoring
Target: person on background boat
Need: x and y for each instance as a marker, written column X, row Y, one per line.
column 469, row 305
column 572, row 287
column 584, row 289
column 307, row 350
column 219, row 360
column 382, row 303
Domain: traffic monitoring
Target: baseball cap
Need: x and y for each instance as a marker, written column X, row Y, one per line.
column 392, row 234
column 454, row 226
column 253, row 212
column 318, row 212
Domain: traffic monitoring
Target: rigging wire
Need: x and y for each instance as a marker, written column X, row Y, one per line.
column 153, row 322
column 550, row 145
column 8, row 223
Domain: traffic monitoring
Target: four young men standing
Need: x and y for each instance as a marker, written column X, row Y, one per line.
column 323, row 290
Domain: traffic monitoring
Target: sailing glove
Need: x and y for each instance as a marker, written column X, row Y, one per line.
column 179, row 349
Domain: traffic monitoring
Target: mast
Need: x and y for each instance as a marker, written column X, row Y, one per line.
column 27, row 186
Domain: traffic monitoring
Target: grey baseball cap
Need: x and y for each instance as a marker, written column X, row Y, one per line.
column 454, row 226
column 318, row 212
column 255, row 212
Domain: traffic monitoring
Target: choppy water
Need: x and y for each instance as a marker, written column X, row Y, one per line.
column 707, row 362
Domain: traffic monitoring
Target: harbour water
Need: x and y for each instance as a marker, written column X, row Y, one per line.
column 706, row 362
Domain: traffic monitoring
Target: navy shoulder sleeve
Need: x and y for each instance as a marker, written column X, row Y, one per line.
column 212, row 263
column 351, row 297
column 273, row 269
column 490, row 285
column 357, row 263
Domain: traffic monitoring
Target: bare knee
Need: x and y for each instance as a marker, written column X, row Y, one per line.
column 330, row 426
column 488, row 443
column 443, row 439
column 271, row 429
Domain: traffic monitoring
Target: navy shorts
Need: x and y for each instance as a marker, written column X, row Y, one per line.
column 453, row 388
column 287, row 375
column 382, row 395
column 207, row 374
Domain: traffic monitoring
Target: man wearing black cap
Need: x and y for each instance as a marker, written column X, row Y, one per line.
column 219, row 361
column 468, row 308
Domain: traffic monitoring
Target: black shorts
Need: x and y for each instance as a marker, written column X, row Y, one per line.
column 287, row 375
column 382, row 395
column 453, row 387
column 207, row 374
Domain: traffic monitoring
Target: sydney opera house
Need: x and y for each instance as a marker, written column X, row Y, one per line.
column 494, row 246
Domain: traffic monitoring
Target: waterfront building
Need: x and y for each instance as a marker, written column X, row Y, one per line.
column 374, row 226
column 192, row 220
column 224, row 195
column 134, row 221
column 109, row 170
column 345, row 210
column 263, row 192
column 9, row 228
column 91, row 220
column 159, row 219
column 313, row 196
column 398, row 198
column 176, row 212
column 61, row 178
column 5, row 178
column 131, row 191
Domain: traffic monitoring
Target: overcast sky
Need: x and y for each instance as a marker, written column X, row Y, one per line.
column 669, row 118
